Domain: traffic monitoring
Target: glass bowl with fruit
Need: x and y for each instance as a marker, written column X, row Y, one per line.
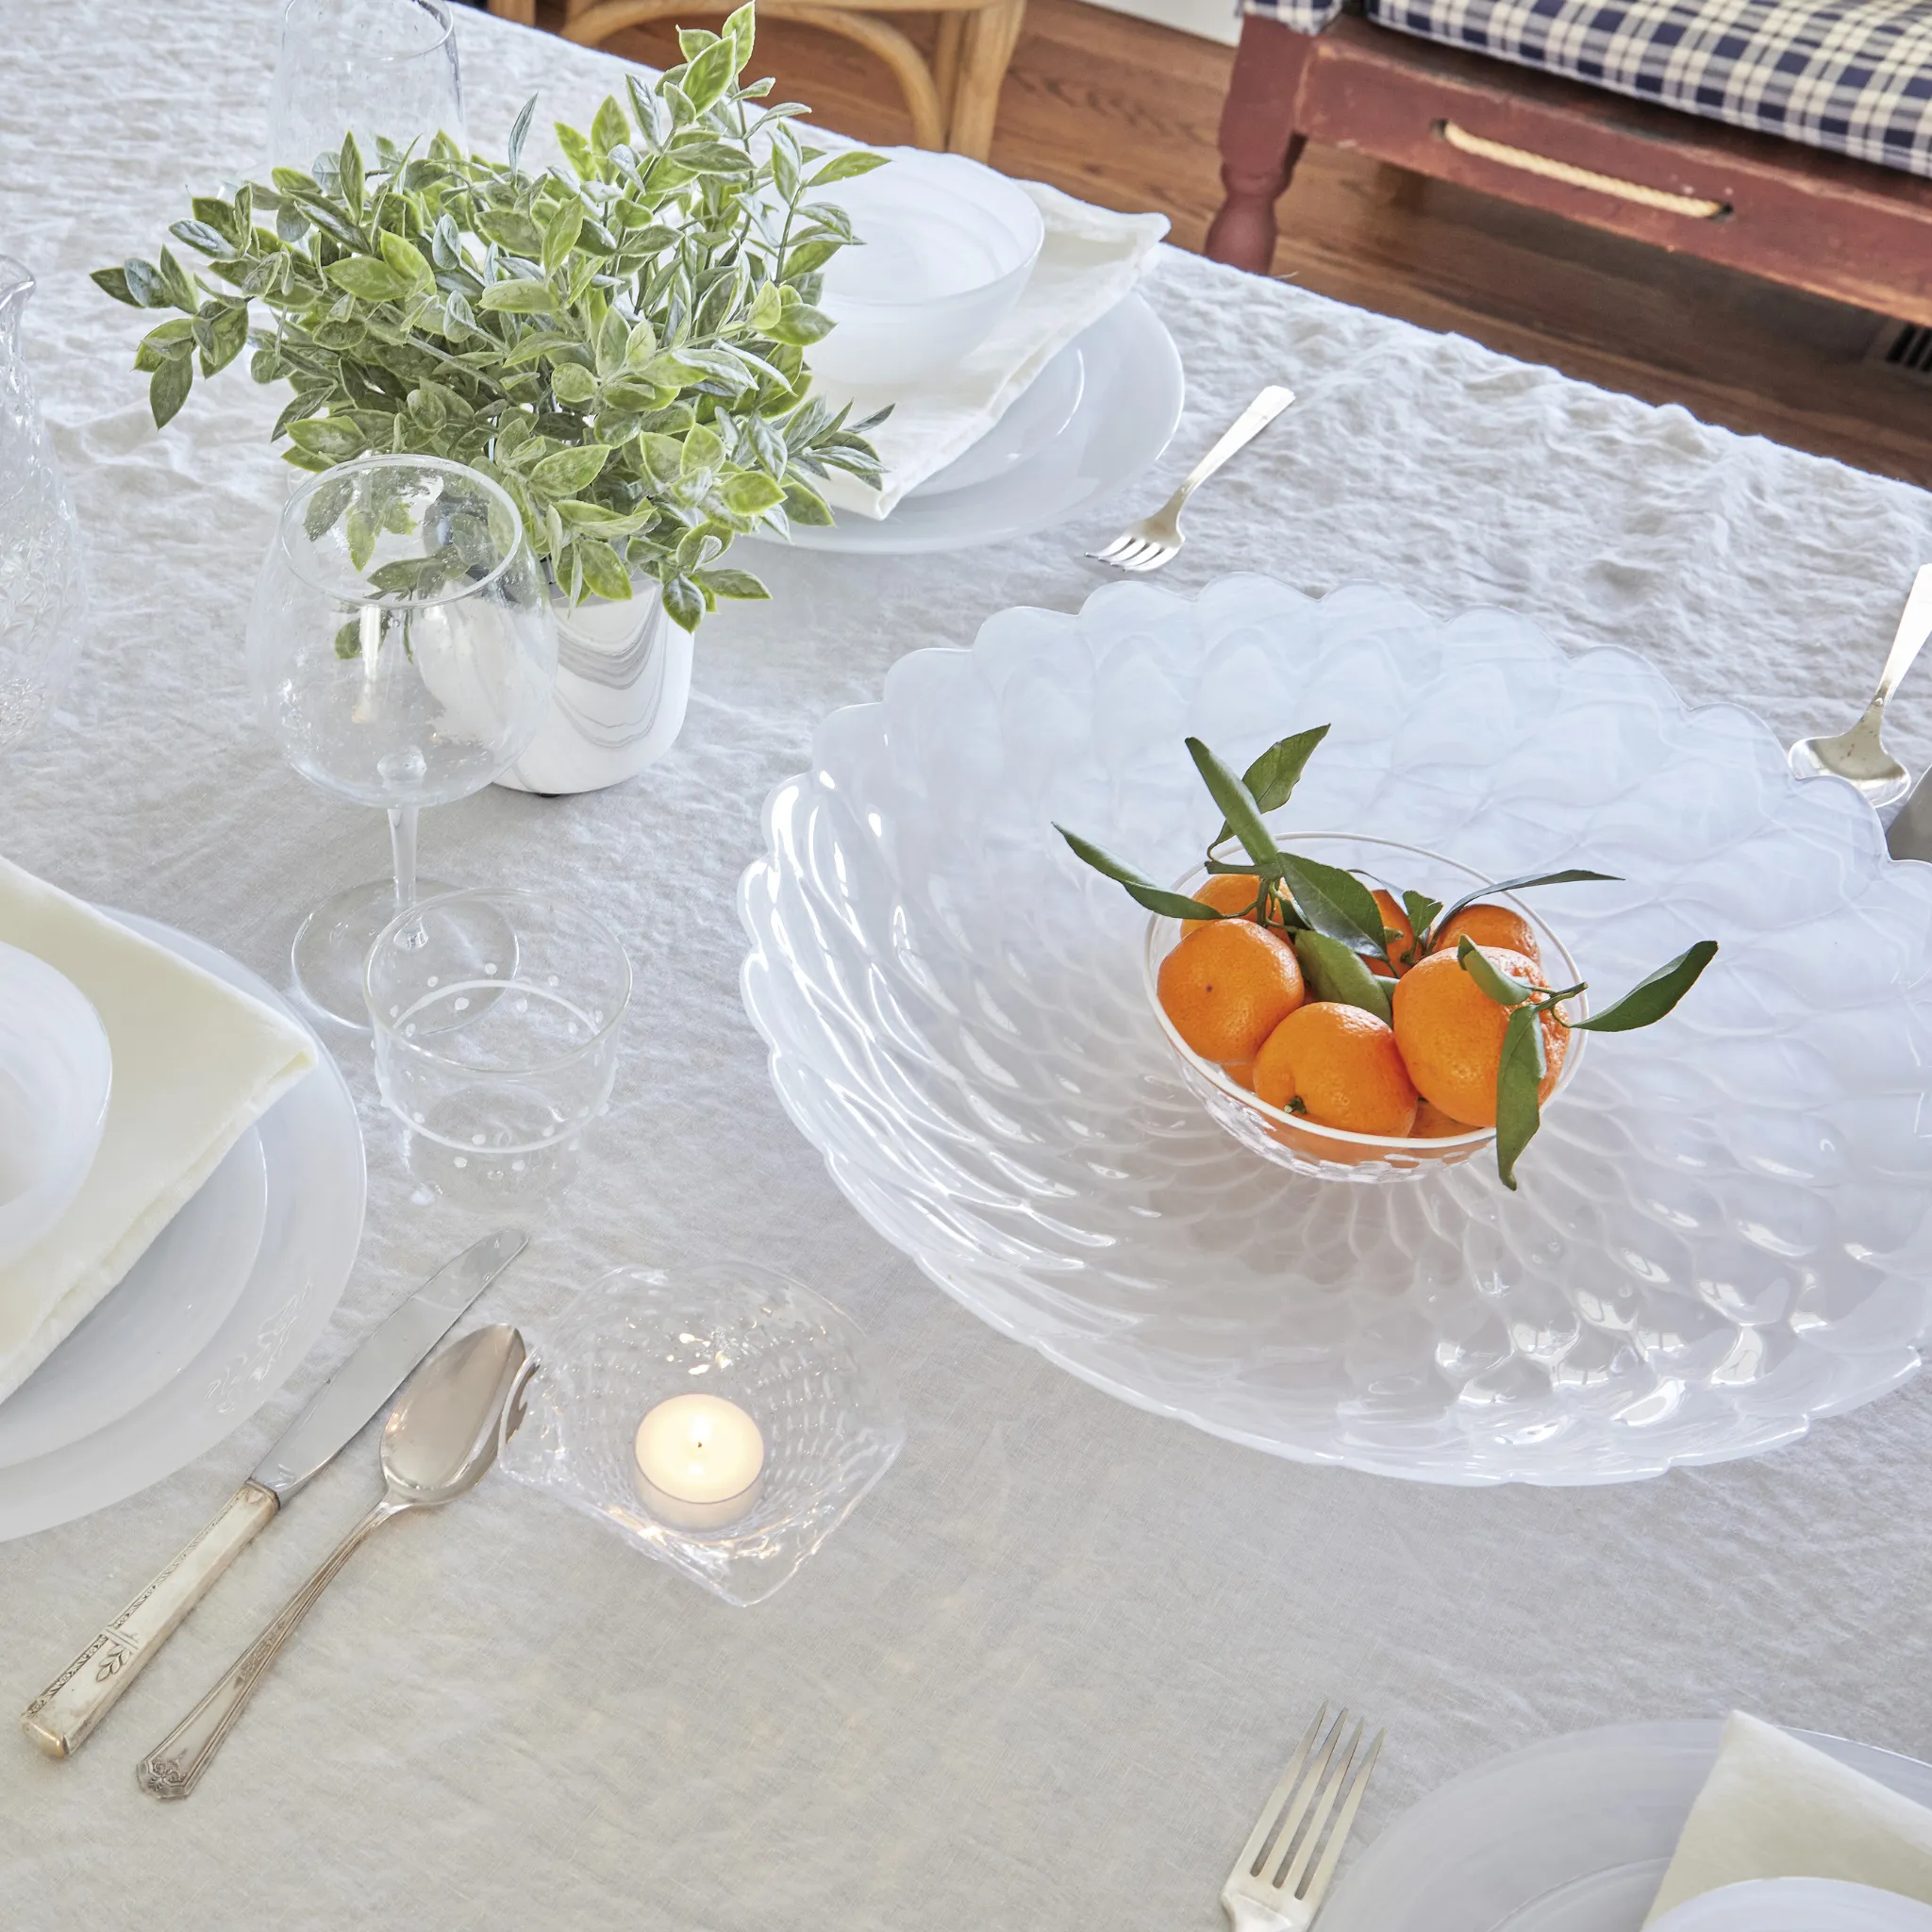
column 1342, row 1102
column 1355, row 1009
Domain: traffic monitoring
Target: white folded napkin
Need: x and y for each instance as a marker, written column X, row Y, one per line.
column 1774, row 1808
column 1090, row 258
column 196, row 1065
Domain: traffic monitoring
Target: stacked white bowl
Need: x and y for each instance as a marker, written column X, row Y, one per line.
column 56, row 1069
column 948, row 246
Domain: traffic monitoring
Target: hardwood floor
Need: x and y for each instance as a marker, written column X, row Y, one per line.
column 1123, row 113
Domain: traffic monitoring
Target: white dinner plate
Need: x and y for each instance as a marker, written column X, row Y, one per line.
column 1043, row 410
column 1798, row 1904
column 1571, row 1835
column 1129, row 403
column 212, row 1319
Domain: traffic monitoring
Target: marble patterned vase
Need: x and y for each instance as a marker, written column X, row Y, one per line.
column 623, row 679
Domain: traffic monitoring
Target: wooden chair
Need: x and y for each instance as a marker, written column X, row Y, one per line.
column 953, row 102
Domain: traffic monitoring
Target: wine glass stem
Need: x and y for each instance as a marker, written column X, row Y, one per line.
column 402, row 836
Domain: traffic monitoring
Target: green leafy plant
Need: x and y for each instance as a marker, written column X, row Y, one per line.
column 1331, row 919
column 620, row 346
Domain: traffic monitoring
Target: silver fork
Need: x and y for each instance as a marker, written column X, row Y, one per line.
column 1155, row 541
column 1278, row 1882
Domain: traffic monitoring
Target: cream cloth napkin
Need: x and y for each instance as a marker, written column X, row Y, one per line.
column 195, row 1064
column 1091, row 258
column 1774, row 1808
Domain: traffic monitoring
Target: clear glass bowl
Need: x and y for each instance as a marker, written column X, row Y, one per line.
column 1330, row 1152
column 497, row 1016
column 736, row 1329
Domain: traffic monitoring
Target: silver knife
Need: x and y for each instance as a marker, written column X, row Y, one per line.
column 60, row 1719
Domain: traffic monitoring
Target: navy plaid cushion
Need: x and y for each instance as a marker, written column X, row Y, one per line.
column 1854, row 76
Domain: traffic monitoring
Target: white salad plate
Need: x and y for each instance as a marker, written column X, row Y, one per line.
column 1722, row 1231
column 1100, row 427
column 1571, row 1835
column 1798, row 1904
column 212, row 1319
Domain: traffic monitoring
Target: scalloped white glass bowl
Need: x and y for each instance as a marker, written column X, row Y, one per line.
column 57, row 1071
column 1721, row 1232
column 1330, row 1152
column 797, row 1365
column 946, row 247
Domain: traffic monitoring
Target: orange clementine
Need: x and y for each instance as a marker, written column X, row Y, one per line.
column 1228, row 986
column 1233, row 892
column 1342, row 1065
column 1450, row 1032
column 1490, row 926
column 1401, row 946
column 1432, row 1123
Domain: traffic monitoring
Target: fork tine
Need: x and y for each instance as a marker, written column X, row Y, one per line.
column 1257, row 1847
column 1155, row 559
column 1304, row 1794
column 1123, row 545
column 1345, row 1823
column 1289, row 1878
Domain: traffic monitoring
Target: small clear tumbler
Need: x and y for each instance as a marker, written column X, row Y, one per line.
column 497, row 1016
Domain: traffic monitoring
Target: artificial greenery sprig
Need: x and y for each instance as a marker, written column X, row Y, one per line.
column 620, row 346
column 1330, row 918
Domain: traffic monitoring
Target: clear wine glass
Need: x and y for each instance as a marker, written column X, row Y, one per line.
column 371, row 67
column 401, row 647
column 42, row 589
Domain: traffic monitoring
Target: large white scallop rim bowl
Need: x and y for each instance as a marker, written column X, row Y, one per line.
column 1797, row 1905
column 889, row 343
column 56, row 1067
column 1719, row 1234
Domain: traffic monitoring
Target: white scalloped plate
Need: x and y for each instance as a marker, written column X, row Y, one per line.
column 1722, row 1230
column 1569, row 1835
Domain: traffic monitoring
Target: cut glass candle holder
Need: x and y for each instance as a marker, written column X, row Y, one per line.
column 738, row 1330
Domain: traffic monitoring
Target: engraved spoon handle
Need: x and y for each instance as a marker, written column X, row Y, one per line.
column 174, row 1767
column 1914, row 627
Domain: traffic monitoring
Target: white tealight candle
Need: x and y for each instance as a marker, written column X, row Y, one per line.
column 700, row 1461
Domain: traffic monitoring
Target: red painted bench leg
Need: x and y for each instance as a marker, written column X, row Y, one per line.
column 1259, row 142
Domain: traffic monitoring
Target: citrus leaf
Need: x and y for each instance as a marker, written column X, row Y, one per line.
column 1522, row 885
column 731, row 583
column 1518, row 1088
column 1421, row 910
column 1274, row 776
column 1650, row 999
column 1333, row 901
column 603, row 570
column 1335, row 972
column 368, row 278
column 1501, row 987
column 1169, row 905
column 1237, row 804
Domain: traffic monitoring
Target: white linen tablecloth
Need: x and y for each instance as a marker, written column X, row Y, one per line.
column 1045, row 1674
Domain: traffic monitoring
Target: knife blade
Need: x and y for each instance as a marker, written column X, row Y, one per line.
column 61, row 1718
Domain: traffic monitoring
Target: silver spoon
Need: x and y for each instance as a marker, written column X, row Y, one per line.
column 436, row 1444
column 1858, row 756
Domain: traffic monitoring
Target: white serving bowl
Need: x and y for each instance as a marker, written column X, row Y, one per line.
column 56, row 1070
column 947, row 245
